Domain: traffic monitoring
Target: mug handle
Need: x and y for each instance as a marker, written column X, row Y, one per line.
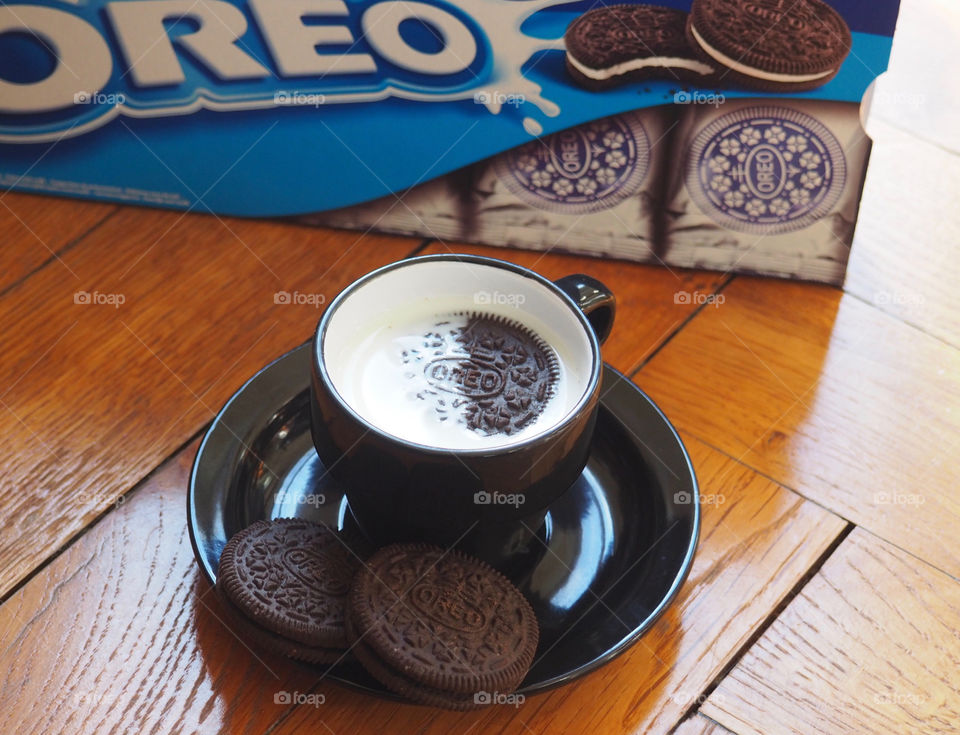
column 595, row 300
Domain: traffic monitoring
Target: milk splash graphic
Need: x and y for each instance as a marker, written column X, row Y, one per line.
column 512, row 49
column 501, row 21
column 495, row 22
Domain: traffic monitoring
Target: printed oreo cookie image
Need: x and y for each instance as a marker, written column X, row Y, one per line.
column 616, row 44
column 772, row 45
column 595, row 188
column 772, row 186
column 585, row 169
column 591, row 189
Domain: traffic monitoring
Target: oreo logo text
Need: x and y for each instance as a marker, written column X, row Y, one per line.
column 150, row 58
column 571, row 153
column 765, row 170
column 444, row 603
column 586, row 169
column 464, row 377
column 309, row 566
column 773, row 15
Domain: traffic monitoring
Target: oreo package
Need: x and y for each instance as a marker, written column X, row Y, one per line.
column 767, row 186
column 595, row 189
column 716, row 133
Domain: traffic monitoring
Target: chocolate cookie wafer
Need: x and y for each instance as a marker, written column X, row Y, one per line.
column 249, row 631
column 440, row 627
column 286, row 581
column 774, row 45
column 623, row 43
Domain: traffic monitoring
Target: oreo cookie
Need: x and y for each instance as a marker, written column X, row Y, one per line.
column 440, row 627
column 773, row 45
column 285, row 583
column 529, row 364
column 624, row 43
column 247, row 630
column 491, row 373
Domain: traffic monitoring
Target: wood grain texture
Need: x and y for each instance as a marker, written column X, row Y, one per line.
column 34, row 229
column 120, row 634
column 94, row 395
column 757, row 542
column 700, row 725
column 828, row 396
column 870, row 645
column 652, row 302
column 904, row 256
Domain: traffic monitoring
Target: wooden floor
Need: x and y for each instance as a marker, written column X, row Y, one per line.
column 825, row 595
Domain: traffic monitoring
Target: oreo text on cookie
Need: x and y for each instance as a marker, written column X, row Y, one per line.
column 766, row 170
column 584, row 169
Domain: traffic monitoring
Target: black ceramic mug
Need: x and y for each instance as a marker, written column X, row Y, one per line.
column 451, row 391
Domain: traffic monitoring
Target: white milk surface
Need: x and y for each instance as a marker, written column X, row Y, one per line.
column 385, row 376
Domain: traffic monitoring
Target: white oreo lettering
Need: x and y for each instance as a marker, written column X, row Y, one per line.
column 70, row 38
column 149, row 50
column 293, row 45
column 296, row 47
column 381, row 27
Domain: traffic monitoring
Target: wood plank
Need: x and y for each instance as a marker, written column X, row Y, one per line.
column 121, row 634
column 870, row 645
column 117, row 632
column 95, row 395
column 828, row 396
column 757, row 542
column 700, row 725
column 34, row 229
column 904, row 254
column 652, row 302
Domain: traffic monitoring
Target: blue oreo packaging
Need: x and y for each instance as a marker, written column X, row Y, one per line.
column 534, row 123
column 593, row 189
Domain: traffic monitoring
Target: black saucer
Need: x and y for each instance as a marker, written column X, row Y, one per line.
column 601, row 567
